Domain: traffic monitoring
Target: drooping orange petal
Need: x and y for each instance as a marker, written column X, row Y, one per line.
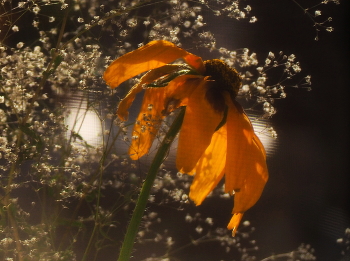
column 246, row 170
column 149, row 77
column 125, row 103
column 197, row 129
column 147, row 122
column 150, row 56
column 249, row 194
column 210, row 167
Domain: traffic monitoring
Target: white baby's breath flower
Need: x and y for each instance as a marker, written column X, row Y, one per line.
column 35, row 23
column 64, row 6
column 253, row 19
column 132, row 22
column 291, row 57
column 21, row 4
column 20, row 45
column 296, row 68
column 246, row 223
column 199, row 229
column 248, row 8
column 245, row 88
column 36, row 9
column 15, row 28
column 267, row 61
column 271, row 55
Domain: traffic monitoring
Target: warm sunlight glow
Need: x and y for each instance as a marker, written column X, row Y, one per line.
column 261, row 129
column 84, row 122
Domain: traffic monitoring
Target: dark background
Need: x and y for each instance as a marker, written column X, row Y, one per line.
column 306, row 199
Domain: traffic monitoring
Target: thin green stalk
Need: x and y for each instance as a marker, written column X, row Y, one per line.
column 133, row 227
column 306, row 10
column 97, row 212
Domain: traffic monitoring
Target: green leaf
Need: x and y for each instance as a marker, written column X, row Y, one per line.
column 165, row 80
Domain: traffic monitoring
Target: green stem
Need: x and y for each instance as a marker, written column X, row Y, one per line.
column 133, row 227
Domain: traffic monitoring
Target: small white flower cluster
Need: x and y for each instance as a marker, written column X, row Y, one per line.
column 304, row 253
column 185, row 20
column 345, row 243
column 232, row 9
column 257, row 87
column 198, row 230
column 19, row 84
column 172, row 188
column 238, row 58
column 78, row 68
column 315, row 14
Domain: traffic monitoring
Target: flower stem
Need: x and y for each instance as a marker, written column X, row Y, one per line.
column 133, row 227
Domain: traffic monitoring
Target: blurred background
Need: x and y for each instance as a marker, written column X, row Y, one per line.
column 306, row 199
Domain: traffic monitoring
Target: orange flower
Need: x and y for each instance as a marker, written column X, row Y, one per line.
column 216, row 136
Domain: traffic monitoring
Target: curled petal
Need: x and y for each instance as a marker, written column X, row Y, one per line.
column 150, row 56
column 125, row 103
column 210, row 167
column 195, row 62
column 147, row 122
column 198, row 127
column 149, row 77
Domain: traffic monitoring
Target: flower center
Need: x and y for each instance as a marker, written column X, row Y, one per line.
column 224, row 78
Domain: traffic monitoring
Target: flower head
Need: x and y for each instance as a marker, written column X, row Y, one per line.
column 216, row 138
